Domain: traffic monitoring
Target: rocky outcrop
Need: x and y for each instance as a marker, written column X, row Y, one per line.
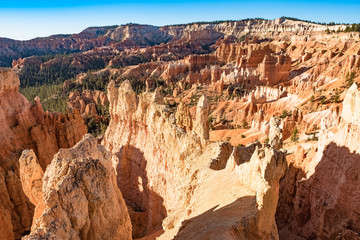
column 183, row 117
column 86, row 101
column 264, row 94
column 152, row 149
column 80, row 196
column 138, row 179
column 275, row 69
column 197, row 62
column 262, row 173
column 201, row 123
column 221, row 157
column 8, row 80
column 26, row 126
column 275, row 133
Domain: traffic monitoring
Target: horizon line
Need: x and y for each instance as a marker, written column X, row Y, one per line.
column 331, row 23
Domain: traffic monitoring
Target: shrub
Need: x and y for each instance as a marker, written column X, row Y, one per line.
column 337, row 96
column 211, row 127
column 284, row 114
column 103, row 127
column 312, row 98
column 350, row 79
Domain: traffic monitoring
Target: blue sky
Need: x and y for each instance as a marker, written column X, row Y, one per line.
column 24, row 19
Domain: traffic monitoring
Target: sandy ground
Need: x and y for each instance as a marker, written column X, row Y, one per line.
column 235, row 136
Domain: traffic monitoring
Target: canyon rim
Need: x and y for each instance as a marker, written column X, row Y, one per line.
column 244, row 129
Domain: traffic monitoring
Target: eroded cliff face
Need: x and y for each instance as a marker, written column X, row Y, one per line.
column 25, row 125
column 320, row 189
column 87, row 101
column 176, row 183
column 256, row 27
column 80, row 196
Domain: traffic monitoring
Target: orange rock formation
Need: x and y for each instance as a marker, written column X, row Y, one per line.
column 26, row 125
column 178, row 151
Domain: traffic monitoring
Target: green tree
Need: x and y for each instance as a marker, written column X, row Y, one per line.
column 294, row 135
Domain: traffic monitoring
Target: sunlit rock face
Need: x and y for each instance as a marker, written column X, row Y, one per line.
column 351, row 105
column 81, row 199
column 259, row 80
column 169, row 172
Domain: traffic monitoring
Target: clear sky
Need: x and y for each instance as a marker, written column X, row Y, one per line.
column 26, row 19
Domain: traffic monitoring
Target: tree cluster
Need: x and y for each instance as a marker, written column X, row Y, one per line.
column 353, row 28
column 56, row 69
column 51, row 95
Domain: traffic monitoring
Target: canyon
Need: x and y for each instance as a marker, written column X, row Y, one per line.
column 229, row 130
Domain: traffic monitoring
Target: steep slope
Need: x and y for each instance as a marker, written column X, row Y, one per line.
column 25, row 125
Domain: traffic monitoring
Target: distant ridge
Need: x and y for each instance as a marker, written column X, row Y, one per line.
column 222, row 21
column 142, row 35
